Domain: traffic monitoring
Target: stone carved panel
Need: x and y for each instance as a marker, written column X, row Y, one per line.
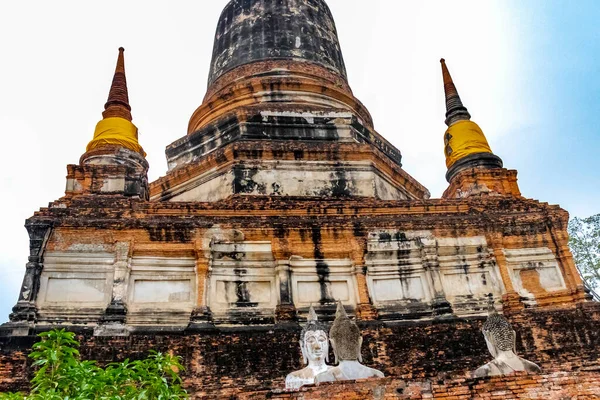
column 469, row 274
column 161, row 290
column 413, row 274
column 534, row 270
column 243, row 282
column 397, row 280
column 319, row 282
column 241, row 293
column 75, row 285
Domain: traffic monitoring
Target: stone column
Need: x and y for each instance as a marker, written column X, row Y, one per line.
column 566, row 263
column 201, row 317
column 511, row 301
column 25, row 311
column 431, row 264
column 365, row 310
column 286, row 311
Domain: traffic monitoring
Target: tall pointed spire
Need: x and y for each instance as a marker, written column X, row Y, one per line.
column 117, row 104
column 465, row 143
column 116, row 128
column 455, row 110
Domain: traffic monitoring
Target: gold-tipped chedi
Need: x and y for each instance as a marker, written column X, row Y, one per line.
column 116, row 128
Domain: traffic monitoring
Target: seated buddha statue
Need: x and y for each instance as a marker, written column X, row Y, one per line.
column 346, row 342
column 315, row 353
column 501, row 343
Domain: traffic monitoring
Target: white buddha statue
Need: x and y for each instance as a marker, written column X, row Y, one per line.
column 346, row 341
column 501, row 343
column 315, row 353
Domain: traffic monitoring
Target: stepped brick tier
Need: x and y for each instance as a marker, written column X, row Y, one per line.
column 420, row 357
column 282, row 196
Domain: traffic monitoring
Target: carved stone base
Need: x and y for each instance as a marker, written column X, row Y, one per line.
column 115, row 313
column 201, row 320
column 477, row 160
column 23, row 311
column 23, row 328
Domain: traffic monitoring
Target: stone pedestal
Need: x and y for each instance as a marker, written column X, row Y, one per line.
column 201, row 319
column 116, row 312
column 25, row 310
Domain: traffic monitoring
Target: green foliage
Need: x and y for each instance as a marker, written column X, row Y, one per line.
column 61, row 375
column 585, row 246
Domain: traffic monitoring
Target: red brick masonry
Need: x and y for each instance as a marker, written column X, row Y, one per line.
column 420, row 359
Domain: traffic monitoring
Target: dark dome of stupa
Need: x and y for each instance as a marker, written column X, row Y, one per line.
column 263, row 30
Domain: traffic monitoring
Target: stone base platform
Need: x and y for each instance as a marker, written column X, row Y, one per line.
column 421, row 359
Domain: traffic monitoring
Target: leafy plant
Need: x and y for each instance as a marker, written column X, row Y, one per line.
column 61, row 375
column 585, row 246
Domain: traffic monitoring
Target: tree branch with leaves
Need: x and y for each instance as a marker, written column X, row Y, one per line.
column 585, row 245
column 60, row 374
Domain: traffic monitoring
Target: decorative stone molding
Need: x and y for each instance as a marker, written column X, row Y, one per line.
column 534, row 271
column 243, row 282
column 76, row 286
column 398, row 282
column 162, row 291
column 414, row 274
column 25, row 311
column 117, row 310
column 323, row 282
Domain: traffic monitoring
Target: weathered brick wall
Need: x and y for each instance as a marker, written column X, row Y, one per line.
column 226, row 363
column 556, row 386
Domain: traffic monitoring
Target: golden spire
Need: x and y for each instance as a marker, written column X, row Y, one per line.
column 465, row 144
column 116, row 128
column 117, row 104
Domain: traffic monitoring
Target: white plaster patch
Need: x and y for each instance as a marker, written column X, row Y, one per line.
column 70, row 290
column 310, row 292
column 399, row 289
column 171, row 291
column 89, row 247
column 113, row 185
column 257, row 292
column 394, row 267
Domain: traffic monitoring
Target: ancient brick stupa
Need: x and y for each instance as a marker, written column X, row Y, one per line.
column 282, row 196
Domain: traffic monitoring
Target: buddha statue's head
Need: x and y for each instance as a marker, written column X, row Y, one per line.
column 345, row 337
column 313, row 340
column 498, row 334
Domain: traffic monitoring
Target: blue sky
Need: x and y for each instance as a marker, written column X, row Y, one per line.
column 561, row 80
column 528, row 70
